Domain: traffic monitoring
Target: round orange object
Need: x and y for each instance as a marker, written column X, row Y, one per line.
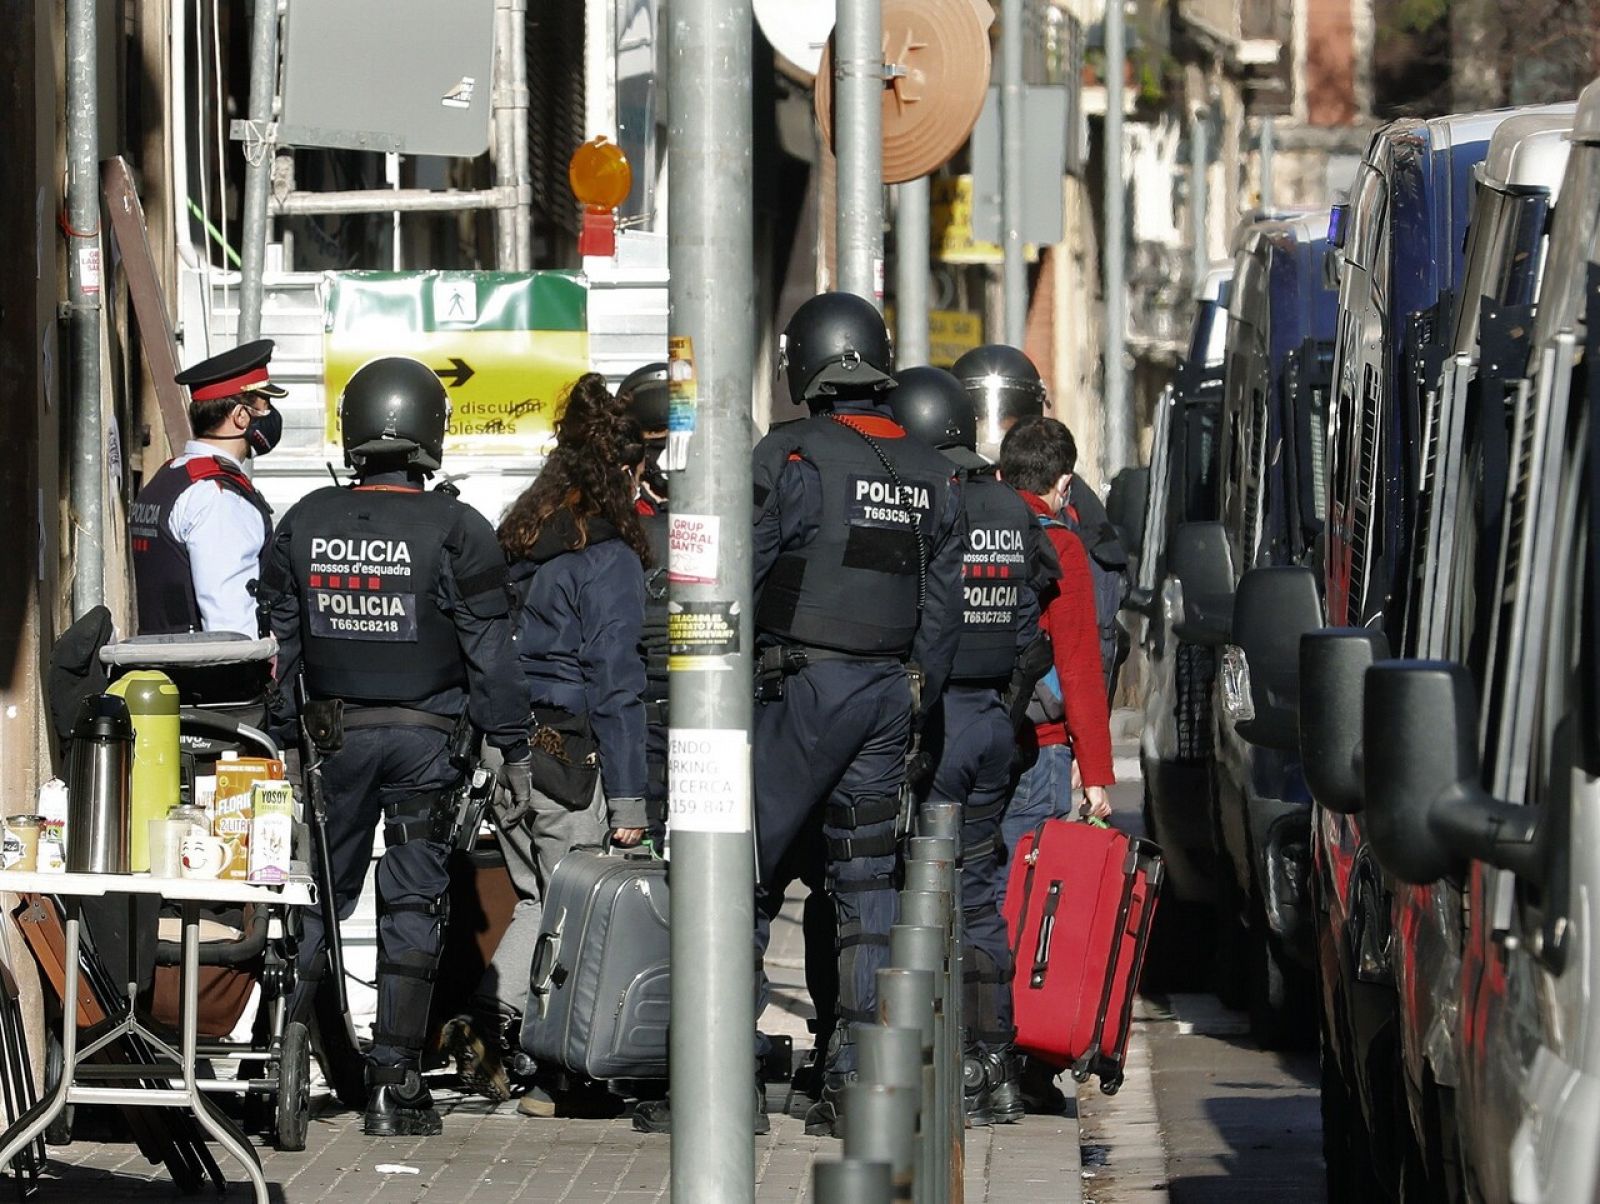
column 599, row 173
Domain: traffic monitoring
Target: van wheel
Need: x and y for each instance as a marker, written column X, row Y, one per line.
column 1231, row 967
column 1281, row 998
column 1346, row 1145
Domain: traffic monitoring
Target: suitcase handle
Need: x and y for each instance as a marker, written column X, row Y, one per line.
column 1047, row 930
column 546, row 970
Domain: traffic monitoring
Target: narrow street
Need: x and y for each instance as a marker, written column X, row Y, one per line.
column 1206, row 1116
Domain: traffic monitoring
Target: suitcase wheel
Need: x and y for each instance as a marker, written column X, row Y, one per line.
column 1080, row 1074
column 1111, row 1086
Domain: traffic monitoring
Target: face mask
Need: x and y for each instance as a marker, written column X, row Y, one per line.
column 264, row 431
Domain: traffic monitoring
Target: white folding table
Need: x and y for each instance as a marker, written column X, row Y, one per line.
column 191, row 894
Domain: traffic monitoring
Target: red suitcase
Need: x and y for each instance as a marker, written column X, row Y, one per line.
column 1079, row 902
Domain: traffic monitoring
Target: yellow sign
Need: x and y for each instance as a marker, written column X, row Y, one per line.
column 952, row 224
column 505, row 345
column 951, row 334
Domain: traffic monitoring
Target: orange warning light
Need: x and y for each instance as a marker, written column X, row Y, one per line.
column 599, row 174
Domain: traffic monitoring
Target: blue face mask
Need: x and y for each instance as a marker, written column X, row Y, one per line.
column 264, row 431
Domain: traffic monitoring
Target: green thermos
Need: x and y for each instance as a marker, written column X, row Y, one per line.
column 153, row 706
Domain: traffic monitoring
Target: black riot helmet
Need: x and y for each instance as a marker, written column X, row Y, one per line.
column 836, row 344
column 1003, row 385
column 395, row 410
column 644, row 391
column 931, row 404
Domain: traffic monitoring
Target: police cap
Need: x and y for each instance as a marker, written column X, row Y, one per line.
column 240, row 370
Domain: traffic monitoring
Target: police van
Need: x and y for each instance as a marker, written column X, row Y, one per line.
column 1176, row 674
column 1271, row 484
column 1482, row 765
column 1399, row 251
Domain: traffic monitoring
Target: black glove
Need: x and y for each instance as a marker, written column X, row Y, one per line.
column 517, row 779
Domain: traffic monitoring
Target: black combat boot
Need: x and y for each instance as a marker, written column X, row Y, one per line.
column 975, row 1094
column 655, row 1115
column 1036, row 1086
column 1003, row 1080
column 399, row 1104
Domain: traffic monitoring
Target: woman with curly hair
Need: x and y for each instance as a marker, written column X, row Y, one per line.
column 578, row 557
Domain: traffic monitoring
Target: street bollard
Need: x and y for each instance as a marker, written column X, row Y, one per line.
column 931, row 865
column 893, row 1057
column 922, row 947
column 905, row 1000
column 940, row 819
column 853, row 1181
column 880, row 1125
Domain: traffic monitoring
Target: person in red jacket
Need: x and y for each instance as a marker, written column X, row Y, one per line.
column 1036, row 459
column 1072, row 722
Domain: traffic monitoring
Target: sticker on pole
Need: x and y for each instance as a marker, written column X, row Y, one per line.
column 700, row 634
column 692, row 546
column 683, row 399
column 709, row 772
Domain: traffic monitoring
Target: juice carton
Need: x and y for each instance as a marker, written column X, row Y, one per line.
column 271, row 831
column 53, row 839
column 230, row 821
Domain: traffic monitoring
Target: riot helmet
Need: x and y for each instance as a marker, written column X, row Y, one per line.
column 395, row 410
column 644, row 392
column 835, row 344
column 931, row 404
column 1003, row 385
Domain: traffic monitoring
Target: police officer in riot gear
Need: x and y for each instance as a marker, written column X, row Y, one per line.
column 1004, row 562
column 1005, row 386
column 198, row 526
column 644, row 393
column 392, row 602
column 857, row 574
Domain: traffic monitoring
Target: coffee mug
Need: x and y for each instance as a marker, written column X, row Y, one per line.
column 205, row 856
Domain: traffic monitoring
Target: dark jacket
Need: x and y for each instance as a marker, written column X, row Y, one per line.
column 578, row 633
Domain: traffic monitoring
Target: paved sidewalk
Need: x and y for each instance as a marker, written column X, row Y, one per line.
column 490, row 1154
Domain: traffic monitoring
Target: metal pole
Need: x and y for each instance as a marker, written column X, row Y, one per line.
column 258, row 152
column 1014, row 269
column 911, row 272
column 1199, row 190
column 1269, row 129
column 712, row 303
column 853, row 1181
column 922, row 947
column 858, row 143
column 505, row 133
column 1118, row 452
column 518, row 101
column 83, row 296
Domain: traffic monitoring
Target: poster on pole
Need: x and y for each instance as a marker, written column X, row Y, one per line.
column 505, row 345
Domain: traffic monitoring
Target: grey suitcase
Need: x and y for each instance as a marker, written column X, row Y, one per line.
column 600, row 995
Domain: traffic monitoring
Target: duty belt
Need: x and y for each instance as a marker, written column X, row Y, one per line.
column 396, row 717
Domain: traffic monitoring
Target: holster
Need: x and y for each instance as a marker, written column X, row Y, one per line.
column 324, row 720
column 1033, row 663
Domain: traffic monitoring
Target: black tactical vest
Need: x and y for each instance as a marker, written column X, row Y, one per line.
column 994, row 572
column 655, row 607
column 367, row 565
column 163, row 580
column 856, row 586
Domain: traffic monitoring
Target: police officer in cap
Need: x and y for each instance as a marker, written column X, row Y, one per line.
column 1000, row 656
column 856, row 559
column 198, row 526
column 1005, row 386
column 393, row 602
column 644, row 393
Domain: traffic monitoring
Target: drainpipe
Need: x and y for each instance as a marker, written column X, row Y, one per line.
column 88, row 478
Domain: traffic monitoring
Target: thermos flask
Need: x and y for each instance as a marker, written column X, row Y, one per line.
column 153, row 706
column 99, row 778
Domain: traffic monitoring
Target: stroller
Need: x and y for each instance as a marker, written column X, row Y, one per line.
column 223, row 680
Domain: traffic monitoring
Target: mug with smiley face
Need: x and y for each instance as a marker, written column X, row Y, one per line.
column 205, row 856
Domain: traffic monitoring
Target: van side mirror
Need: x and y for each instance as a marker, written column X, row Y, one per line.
column 1333, row 668
column 1202, row 563
column 1274, row 607
column 1125, row 507
column 1428, row 814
